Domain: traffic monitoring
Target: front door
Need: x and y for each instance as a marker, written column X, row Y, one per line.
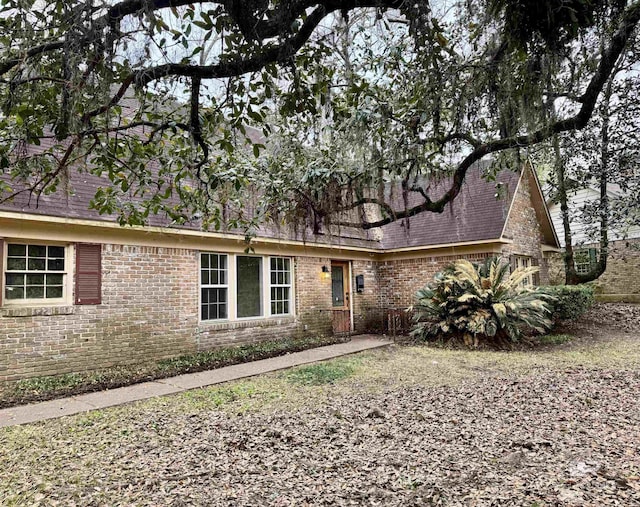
column 340, row 288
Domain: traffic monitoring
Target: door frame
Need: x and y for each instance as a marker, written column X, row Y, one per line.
column 347, row 289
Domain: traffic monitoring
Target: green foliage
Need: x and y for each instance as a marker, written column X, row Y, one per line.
column 321, row 373
column 481, row 303
column 167, row 102
column 50, row 387
column 44, row 384
column 570, row 301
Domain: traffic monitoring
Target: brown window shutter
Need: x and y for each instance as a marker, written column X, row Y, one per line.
column 88, row 274
column 2, row 273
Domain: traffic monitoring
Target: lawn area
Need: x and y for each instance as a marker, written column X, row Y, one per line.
column 402, row 426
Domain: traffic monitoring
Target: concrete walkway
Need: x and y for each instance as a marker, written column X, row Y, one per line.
column 112, row 397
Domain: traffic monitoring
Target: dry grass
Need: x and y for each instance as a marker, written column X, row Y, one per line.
column 95, row 457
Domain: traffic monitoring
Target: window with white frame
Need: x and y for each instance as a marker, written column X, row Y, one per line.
column 214, row 286
column 35, row 272
column 585, row 259
column 234, row 286
column 280, row 293
column 524, row 262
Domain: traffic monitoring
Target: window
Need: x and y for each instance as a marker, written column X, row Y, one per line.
column 235, row 286
column 35, row 272
column 249, row 286
column 524, row 262
column 280, row 285
column 586, row 260
column 213, row 286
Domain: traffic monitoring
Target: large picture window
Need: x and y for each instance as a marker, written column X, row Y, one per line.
column 214, row 288
column 235, row 286
column 35, row 272
column 249, row 286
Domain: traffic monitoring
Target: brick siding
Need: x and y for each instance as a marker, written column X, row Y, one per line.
column 523, row 229
column 403, row 278
column 149, row 311
column 623, row 268
column 367, row 315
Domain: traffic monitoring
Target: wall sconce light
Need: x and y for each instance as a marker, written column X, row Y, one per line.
column 326, row 274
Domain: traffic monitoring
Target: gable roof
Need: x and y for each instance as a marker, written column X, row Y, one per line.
column 476, row 214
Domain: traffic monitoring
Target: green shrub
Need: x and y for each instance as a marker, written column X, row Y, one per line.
column 483, row 303
column 570, row 301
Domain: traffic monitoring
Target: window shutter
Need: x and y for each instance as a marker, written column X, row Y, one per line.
column 1, row 270
column 88, row 274
column 512, row 263
column 536, row 276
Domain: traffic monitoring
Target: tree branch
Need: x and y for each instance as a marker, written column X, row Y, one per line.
column 577, row 122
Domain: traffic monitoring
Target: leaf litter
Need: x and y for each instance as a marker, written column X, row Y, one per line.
column 559, row 431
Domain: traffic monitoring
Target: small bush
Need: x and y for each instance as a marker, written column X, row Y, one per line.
column 481, row 303
column 570, row 301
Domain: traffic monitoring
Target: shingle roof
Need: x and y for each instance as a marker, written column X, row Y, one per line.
column 474, row 215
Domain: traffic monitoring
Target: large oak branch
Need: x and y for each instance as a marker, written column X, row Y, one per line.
column 610, row 56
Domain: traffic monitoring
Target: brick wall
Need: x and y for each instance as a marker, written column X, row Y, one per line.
column 367, row 304
column 313, row 295
column 523, row 229
column 623, row 268
column 149, row 311
column 404, row 277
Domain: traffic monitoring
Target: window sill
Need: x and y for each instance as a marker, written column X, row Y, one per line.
column 241, row 324
column 36, row 311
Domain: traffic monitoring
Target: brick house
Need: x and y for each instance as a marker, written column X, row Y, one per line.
column 621, row 280
column 79, row 292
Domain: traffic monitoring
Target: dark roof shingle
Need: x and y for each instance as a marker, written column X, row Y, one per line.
column 474, row 215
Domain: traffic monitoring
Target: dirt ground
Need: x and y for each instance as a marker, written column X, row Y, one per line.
column 555, row 425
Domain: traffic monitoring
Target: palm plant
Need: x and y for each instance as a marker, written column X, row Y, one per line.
column 484, row 302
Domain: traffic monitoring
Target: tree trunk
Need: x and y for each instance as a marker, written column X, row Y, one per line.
column 572, row 277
